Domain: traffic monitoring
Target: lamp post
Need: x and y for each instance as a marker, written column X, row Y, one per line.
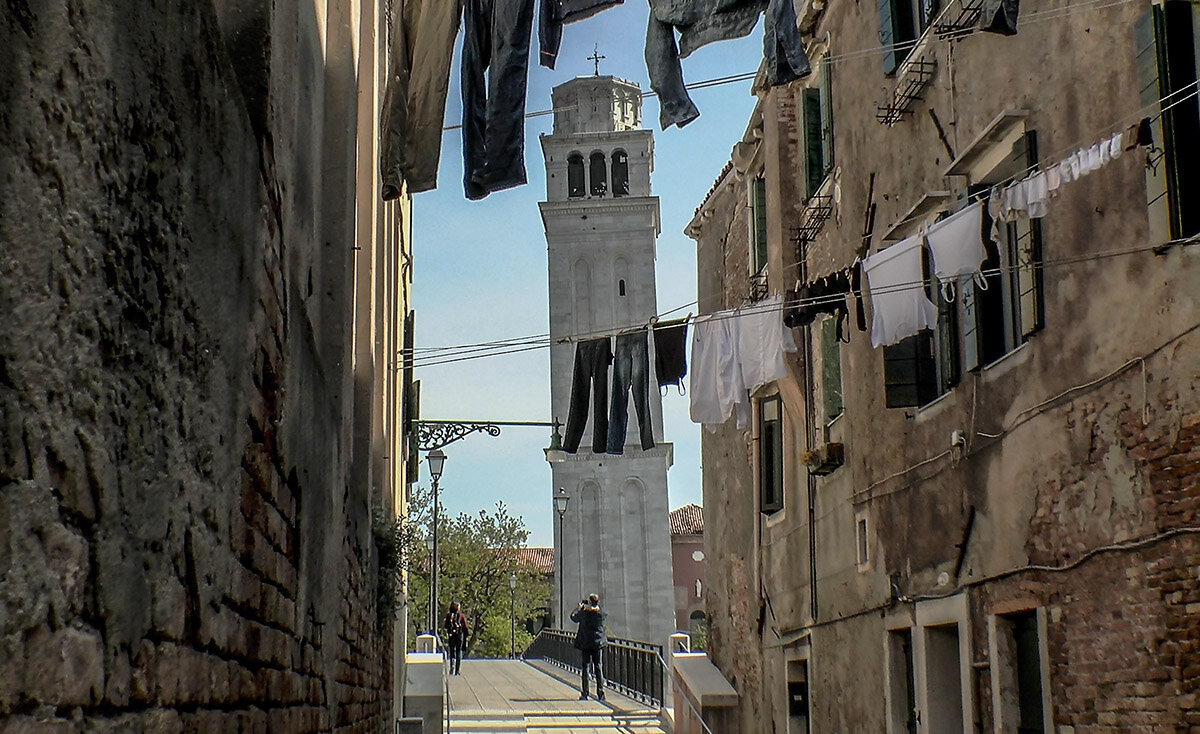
column 560, row 506
column 512, row 615
column 432, row 614
column 437, row 461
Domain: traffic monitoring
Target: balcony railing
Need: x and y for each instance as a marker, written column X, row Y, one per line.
column 633, row 668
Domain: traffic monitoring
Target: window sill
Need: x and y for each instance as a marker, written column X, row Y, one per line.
column 934, row 407
column 1005, row 364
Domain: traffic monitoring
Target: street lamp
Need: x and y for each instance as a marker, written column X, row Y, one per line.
column 512, row 615
column 437, row 461
column 554, row 452
column 432, row 604
column 560, row 506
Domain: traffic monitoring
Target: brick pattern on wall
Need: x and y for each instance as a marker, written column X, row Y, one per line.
column 176, row 549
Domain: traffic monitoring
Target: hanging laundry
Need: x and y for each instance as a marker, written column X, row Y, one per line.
column 1053, row 179
column 1114, row 146
column 825, row 295
column 556, row 13
column 1013, row 202
column 762, row 340
column 414, row 100
column 1037, row 195
column 670, row 360
column 590, row 377
column 860, row 314
column 999, row 16
column 701, row 22
column 496, row 44
column 783, row 49
column 631, row 372
column 957, row 246
column 1139, row 134
column 715, row 386
column 898, row 302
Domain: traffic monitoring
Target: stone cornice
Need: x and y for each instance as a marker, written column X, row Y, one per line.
column 585, row 455
column 599, row 206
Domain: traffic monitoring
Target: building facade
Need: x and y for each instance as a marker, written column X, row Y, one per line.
column 201, row 400
column 687, row 568
column 991, row 525
column 602, row 222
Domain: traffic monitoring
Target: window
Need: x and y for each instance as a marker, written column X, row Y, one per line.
column 816, row 111
column 1000, row 318
column 620, row 173
column 831, row 369
column 901, row 22
column 1168, row 63
column 758, row 225
column 1017, row 687
column 798, row 704
column 598, row 174
column 902, row 682
column 861, row 542
column 697, row 630
column 575, row 185
column 621, row 287
column 770, row 454
column 919, row 369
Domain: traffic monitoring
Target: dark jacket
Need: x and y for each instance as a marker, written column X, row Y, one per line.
column 590, row 635
column 458, row 630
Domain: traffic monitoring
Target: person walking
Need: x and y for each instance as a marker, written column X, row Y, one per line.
column 456, row 636
column 590, row 641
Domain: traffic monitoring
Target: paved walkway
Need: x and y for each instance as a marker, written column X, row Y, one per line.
column 537, row 698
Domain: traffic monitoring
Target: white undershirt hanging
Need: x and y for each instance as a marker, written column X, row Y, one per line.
column 957, row 246
column 899, row 307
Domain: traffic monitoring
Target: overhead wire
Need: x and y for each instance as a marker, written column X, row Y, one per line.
column 504, row 347
column 1031, row 18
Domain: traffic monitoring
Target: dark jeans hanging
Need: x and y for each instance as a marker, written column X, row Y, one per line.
column 590, row 377
column 631, row 371
column 496, row 41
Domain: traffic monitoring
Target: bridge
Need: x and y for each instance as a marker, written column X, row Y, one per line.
column 538, row 698
column 539, row 693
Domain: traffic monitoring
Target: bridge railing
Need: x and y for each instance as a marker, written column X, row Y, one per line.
column 631, row 667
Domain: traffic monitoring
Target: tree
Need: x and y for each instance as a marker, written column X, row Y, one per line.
column 477, row 553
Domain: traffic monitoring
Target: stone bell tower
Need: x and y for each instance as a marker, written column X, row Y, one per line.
column 601, row 225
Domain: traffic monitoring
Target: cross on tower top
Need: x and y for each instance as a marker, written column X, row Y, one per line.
column 596, row 58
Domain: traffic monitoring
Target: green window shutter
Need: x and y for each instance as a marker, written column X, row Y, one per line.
column 814, row 165
column 831, row 368
column 1028, row 274
column 758, row 206
column 770, row 454
column 826, row 114
column 1178, row 57
column 895, row 28
column 1145, row 35
column 968, row 323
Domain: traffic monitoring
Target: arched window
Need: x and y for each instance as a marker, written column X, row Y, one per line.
column 598, row 175
column 620, row 173
column 698, row 630
column 575, row 185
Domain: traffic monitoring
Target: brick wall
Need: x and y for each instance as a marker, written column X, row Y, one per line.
column 181, row 548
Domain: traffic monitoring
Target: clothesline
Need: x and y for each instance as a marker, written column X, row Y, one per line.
column 1030, row 18
column 522, row 344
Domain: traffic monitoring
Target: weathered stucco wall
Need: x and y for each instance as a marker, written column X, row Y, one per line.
column 181, row 544
column 1081, row 464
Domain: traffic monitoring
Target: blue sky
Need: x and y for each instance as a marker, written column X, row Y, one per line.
column 480, row 268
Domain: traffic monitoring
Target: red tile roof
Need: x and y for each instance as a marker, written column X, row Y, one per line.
column 540, row 559
column 687, row 520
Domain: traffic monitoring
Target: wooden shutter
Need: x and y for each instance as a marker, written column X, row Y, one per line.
column 895, row 27
column 758, row 209
column 1025, row 254
column 814, row 166
column 826, row 115
column 770, row 454
column 831, row 368
column 887, row 36
column 1146, row 31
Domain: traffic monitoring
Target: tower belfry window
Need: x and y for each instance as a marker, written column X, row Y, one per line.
column 599, row 175
column 621, row 287
column 575, row 182
column 620, row 173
